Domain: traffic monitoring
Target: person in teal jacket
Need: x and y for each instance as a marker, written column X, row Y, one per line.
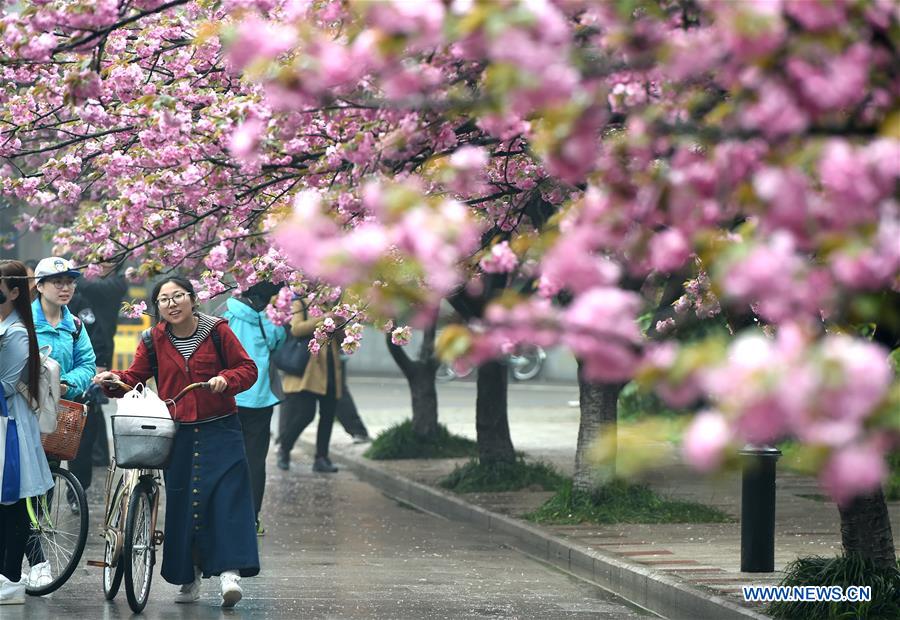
column 259, row 336
column 71, row 347
column 55, row 326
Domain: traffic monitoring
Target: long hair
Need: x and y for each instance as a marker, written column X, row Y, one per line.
column 16, row 277
column 182, row 282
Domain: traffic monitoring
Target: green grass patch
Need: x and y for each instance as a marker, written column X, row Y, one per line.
column 841, row 571
column 622, row 502
column 473, row 477
column 400, row 442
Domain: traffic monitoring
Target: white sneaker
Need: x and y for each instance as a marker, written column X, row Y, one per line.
column 12, row 592
column 39, row 576
column 190, row 592
column 231, row 588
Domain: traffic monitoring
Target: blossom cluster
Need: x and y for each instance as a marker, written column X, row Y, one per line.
column 565, row 160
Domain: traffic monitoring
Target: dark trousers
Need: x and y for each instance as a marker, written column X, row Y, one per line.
column 297, row 411
column 14, row 527
column 255, row 425
column 348, row 415
column 100, row 451
column 83, row 463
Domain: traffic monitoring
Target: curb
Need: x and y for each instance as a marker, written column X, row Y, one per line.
column 648, row 588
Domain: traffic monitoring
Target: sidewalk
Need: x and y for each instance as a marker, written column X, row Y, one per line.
column 677, row 570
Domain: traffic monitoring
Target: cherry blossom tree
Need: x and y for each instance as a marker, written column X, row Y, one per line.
column 555, row 169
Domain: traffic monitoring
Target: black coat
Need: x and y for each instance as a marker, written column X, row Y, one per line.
column 97, row 303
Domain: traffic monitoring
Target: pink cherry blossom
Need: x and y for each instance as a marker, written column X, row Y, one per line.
column 669, row 250
column 706, row 440
column 401, row 336
column 854, row 470
column 396, row 152
column 500, row 260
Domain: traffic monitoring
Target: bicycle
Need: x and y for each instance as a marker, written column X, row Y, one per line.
column 129, row 527
column 525, row 364
column 58, row 530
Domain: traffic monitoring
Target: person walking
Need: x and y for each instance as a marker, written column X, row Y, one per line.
column 19, row 366
column 320, row 385
column 247, row 319
column 71, row 347
column 209, row 522
column 347, row 413
column 57, row 327
column 96, row 302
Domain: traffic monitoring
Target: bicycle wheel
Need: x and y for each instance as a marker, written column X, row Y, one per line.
column 444, row 373
column 528, row 365
column 59, row 527
column 137, row 552
column 112, row 575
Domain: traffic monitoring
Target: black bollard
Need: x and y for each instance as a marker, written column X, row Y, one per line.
column 758, row 509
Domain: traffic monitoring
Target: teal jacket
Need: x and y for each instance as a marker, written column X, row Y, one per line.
column 77, row 362
column 249, row 326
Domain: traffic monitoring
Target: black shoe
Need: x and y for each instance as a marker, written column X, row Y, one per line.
column 323, row 465
column 284, row 462
column 361, row 438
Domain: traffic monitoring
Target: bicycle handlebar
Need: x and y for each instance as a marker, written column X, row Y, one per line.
column 193, row 386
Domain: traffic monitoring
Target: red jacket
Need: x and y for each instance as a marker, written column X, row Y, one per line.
column 175, row 373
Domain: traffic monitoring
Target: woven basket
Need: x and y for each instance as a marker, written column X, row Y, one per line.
column 63, row 443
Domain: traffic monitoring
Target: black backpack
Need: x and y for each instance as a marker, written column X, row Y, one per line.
column 147, row 339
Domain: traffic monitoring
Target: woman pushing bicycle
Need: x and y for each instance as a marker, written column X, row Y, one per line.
column 210, row 524
column 21, row 452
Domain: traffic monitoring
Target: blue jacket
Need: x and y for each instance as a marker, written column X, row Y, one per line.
column 249, row 325
column 34, row 473
column 76, row 359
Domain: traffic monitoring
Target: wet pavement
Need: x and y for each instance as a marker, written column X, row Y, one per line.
column 337, row 548
column 543, row 419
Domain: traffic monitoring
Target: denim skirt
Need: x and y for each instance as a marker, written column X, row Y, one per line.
column 210, row 521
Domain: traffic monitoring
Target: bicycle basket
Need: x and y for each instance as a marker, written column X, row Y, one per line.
column 62, row 444
column 143, row 442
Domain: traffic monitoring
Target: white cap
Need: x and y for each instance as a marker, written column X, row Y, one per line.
column 53, row 266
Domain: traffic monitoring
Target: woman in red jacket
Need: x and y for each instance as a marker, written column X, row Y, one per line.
column 209, row 528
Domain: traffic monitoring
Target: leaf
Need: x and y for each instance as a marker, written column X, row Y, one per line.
column 890, row 128
column 206, row 31
column 452, row 342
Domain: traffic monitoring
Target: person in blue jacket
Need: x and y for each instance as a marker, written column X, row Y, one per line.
column 259, row 336
column 71, row 347
column 26, row 472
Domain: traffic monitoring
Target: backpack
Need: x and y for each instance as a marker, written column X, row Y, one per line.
column 147, row 339
column 49, row 390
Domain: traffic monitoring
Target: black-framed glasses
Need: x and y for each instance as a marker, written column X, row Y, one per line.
column 62, row 284
column 176, row 299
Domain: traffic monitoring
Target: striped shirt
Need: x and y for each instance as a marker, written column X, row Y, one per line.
column 186, row 346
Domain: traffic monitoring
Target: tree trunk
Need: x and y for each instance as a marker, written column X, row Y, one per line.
column 491, row 421
column 420, row 376
column 599, row 408
column 866, row 529
column 424, row 402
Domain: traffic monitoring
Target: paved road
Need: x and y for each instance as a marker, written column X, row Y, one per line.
column 337, row 548
column 541, row 419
